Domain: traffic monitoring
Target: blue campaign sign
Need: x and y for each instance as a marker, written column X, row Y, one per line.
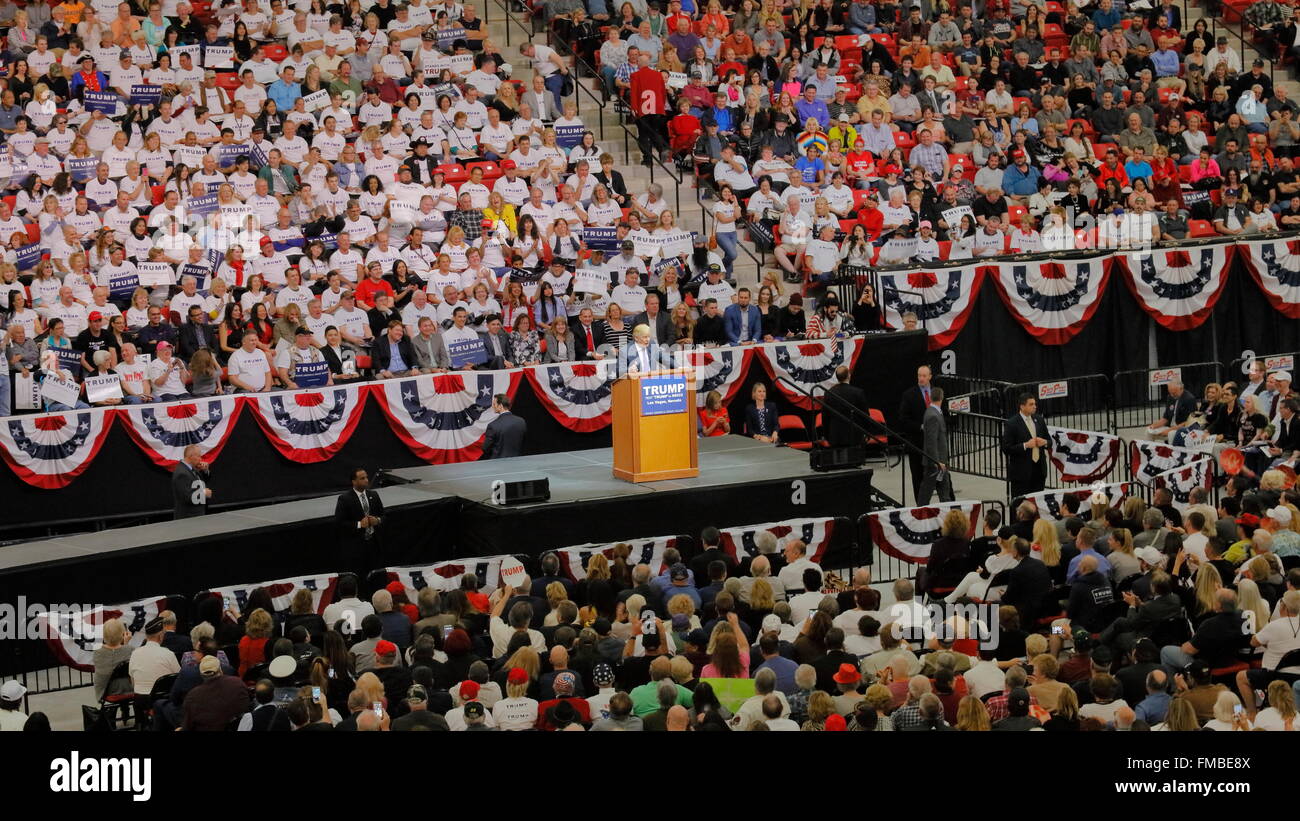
column 122, row 285
column 467, row 352
column 105, row 101
column 311, row 374
column 567, row 136
column 199, row 272
column 227, row 154
column 448, row 36
column 69, row 360
column 203, row 205
column 27, row 257
column 662, row 395
column 81, row 168
column 601, row 239
column 146, row 94
column 256, row 156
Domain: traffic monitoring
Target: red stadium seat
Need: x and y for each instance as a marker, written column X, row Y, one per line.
column 945, row 248
column 275, row 52
column 1200, row 228
column 846, row 41
column 363, row 362
column 1014, row 213
column 156, row 194
column 454, row 173
column 228, row 80
column 33, row 232
column 798, row 438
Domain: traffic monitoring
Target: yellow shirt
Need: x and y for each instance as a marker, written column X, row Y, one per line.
column 508, row 215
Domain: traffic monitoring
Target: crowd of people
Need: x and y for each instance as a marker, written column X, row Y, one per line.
column 957, row 130
column 243, row 197
column 1135, row 617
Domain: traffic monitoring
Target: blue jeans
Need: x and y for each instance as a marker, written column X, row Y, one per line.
column 59, row 406
column 132, row 399
column 1174, row 659
column 608, row 73
column 173, row 397
column 727, row 244
column 555, row 83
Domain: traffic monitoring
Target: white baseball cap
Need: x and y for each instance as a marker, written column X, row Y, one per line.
column 1282, row 376
column 12, row 691
column 1281, row 515
column 1150, row 555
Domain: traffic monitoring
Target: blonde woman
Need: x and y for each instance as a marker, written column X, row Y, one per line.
column 1180, row 718
column 683, row 605
column 114, row 650
column 516, row 711
column 1252, row 605
column 1123, row 563
column 820, row 707
column 1208, row 582
column 373, row 688
column 1046, row 540
column 1228, row 714
column 972, row 716
column 1280, row 714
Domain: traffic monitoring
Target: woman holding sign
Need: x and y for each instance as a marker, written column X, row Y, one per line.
column 62, row 393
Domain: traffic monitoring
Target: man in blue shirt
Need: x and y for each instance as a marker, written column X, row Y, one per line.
column 1084, row 541
column 1153, row 708
column 810, row 106
column 1020, row 180
column 811, row 168
column 823, row 83
column 284, row 90
column 1166, row 62
column 720, row 115
column 769, row 646
column 1106, row 17
column 1137, row 165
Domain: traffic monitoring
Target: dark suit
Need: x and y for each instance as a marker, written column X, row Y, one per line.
column 581, row 348
column 1028, row 584
column 661, row 329
column 658, row 357
column 737, row 319
column 495, row 361
column 1024, row 474
column 359, row 548
column 911, row 412
column 381, row 355
column 188, row 497
column 934, row 434
column 193, row 337
column 851, row 402
column 332, row 360
column 505, row 437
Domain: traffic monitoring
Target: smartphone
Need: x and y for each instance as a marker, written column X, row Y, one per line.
column 378, row 707
column 333, row 674
column 1057, row 630
column 1236, row 709
column 446, row 630
column 225, row 601
column 315, row 693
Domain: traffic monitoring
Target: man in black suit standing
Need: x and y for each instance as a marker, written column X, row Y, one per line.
column 190, row 491
column 359, row 514
column 656, row 320
column 851, row 404
column 505, row 434
column 1024, row 441
column 911, row 413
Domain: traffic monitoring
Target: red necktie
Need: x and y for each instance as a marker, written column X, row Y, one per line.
column 591, row 343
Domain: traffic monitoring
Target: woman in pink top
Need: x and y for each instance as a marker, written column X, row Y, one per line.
column 1204, row 166
column 730, row 652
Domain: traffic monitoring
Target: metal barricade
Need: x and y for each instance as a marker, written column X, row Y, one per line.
column 1238, row 370
column 975, row 445
column 1078, row 402
column 1139, row 396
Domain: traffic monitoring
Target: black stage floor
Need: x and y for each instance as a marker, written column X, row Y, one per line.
column 741, row 481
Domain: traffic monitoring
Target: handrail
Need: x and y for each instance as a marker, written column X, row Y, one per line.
column 566, row 48
column 510, row 18
column 1239, row 32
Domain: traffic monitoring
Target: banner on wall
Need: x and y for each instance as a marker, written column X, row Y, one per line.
column 443, row 417
column 577, row 394
column 1049, row 501
column 941, row 299
column 50, row 450
column 808, row 364
column 1082, row 455
column 1052, row 300
column 73, row 637
column 310, row 425
column 1181, row 481
column 1147, row 460
column 282, row 591
column 1178, row 288
column 908, row 533
column 816, row 534
column 1275, row 266
column 164, row 431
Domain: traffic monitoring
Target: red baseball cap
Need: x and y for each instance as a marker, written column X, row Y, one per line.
column 395, row 587
column 384, row 647
column 506, row 165
column 889, row 169
column 95, row 316
column 468, row 690
column 835, row 724
column 517, row 675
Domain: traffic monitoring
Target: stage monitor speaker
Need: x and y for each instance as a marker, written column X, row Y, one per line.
column 836, row 458
column 521, row 492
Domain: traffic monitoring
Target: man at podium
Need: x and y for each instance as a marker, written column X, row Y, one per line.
column 644, row 354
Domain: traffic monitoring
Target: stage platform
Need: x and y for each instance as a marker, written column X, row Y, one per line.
column 741, row 481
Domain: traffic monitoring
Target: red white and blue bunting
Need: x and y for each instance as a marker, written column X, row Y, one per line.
column 1178, row 288
column 73, row 635
column 1149, row 459
column 808, row 364
column 1181, row 481
column 445, row 576
column 717, row 369
column 52, row 449
column 1082, row 455
column 1275, row 265
column 947, row 296
column 164, row 431
column 1049, row 501
column 282, row 591
column 577, row 394
column 310, row 425
column 442, row 418
column 908, row 533
column 814, row 533
column 647, row 551
column 1052, row 300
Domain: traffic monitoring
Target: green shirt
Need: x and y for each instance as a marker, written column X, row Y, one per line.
column 645, row 699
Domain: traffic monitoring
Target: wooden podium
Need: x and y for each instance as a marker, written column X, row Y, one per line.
column 654, row 426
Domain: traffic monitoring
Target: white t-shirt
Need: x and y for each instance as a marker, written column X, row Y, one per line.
column 516, row 713
column 250, row 366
